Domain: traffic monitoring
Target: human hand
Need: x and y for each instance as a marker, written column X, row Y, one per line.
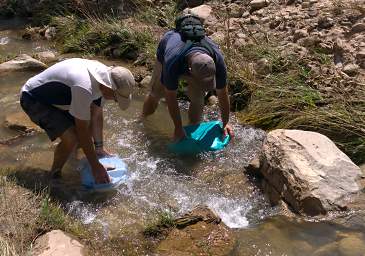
column 228, row 130
column 100, row 174
column 179, row 135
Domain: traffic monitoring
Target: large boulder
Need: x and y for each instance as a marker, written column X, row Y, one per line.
column 57, row 243
column 205, row 12
column 308, row 171
column 22, row 63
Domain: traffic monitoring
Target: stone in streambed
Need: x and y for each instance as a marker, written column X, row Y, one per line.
column 46, row 56
column 308, row 171
column 20, row 122
column 22, row 63
column 199, row 232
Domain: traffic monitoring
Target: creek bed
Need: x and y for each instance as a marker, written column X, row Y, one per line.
column 160, row 181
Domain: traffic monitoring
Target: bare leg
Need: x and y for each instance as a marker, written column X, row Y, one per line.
column 195, row 114
column 63, row 150
column 156, row 93
column 196, row 96
column 150, row 105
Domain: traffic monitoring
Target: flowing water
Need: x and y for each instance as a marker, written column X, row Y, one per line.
column 159, row 181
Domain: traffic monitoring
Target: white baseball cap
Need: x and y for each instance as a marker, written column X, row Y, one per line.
column 117, row 78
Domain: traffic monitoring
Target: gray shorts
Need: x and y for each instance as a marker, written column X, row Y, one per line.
column 51, row 119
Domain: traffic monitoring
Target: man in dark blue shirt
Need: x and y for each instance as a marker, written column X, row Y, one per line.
column 203, row 69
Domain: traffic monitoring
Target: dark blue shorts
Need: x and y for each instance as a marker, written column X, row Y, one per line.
column 51, row 119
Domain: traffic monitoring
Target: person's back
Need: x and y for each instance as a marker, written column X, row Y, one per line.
column 197, row 60
column 65, row 100
column 173, row 60
column 67, row 85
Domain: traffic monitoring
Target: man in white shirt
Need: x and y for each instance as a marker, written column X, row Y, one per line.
column 66, row 101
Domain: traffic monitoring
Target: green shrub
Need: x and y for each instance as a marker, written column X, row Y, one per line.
column 108, row 36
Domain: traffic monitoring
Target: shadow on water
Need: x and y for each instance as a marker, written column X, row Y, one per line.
column 14, row 23
column 37, row 180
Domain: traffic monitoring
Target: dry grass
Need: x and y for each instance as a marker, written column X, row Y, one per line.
column 339, row 6
column 25, row 215
column 19, row 211
column 6, row 249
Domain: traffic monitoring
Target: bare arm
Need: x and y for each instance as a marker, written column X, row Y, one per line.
column 85, row 139
column 97, row 122
column 174, row 111
column 96, row 126
column 224, row 106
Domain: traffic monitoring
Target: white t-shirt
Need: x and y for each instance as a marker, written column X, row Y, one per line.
column 68, row 85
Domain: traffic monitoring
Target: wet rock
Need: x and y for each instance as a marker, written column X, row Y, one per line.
column 307, row 170
column 46, row 56
column 201, row 233
column 328, row 249
column 254, row 166
column 355, row 220
column 20, row 122
column 146, row 81
column 22, row 63
column 230, row 183
column 258, row 4
column 352, row 245
column 57, row 243
column 274, row 236
column 351, row 69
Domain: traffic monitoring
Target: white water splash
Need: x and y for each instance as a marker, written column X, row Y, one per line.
column 232, row 212
column 86, row 214
column 4, row 40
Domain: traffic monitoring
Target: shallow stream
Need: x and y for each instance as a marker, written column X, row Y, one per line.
column 160, row 181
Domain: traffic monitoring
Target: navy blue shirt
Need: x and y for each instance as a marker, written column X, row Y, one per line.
column 171, row 46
